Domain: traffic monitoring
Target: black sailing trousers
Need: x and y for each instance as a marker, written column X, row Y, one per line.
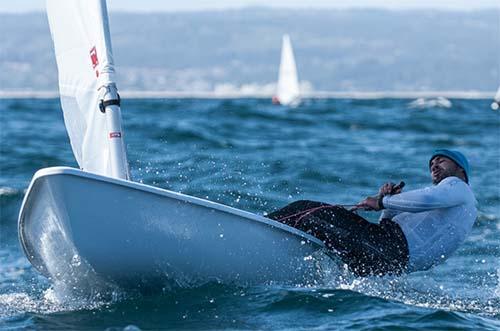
column 367, row 248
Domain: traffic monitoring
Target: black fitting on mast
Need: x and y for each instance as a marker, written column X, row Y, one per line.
column 113, row 102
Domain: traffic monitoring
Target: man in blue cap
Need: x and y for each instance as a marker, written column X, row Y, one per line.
column 417, row 229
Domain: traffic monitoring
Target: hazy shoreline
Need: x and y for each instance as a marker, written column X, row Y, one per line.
column 334, row 51
column 130, row 94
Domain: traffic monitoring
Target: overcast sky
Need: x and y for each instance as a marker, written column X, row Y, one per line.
column 175, row 5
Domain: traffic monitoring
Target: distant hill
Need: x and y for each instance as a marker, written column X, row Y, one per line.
column 336, row 50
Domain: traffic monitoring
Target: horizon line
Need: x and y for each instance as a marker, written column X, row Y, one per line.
column 138, row 94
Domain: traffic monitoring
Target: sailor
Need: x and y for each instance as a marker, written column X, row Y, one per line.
column 417, row 230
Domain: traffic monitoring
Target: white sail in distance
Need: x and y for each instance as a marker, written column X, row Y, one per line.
column 288, row 83
column 80, row 31
column 495, row 105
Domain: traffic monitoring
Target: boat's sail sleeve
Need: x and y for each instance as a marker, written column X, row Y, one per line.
column 82, row 43
column 288, row 83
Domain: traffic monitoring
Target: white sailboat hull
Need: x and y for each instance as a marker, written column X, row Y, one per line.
column 128, row 232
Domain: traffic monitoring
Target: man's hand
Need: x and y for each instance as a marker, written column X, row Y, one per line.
column 375, row 203
column 390, row 189
column 370, row 203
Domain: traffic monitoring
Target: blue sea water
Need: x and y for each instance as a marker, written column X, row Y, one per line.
column 251, row 155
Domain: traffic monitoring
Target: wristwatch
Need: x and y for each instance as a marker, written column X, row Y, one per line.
column 380, row 203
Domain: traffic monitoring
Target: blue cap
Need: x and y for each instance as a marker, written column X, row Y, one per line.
column 456, row 156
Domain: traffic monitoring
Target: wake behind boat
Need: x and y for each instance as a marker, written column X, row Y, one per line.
column 128, row 232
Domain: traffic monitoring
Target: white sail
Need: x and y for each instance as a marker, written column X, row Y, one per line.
column 84, row 58
column 495, row 105
column 288, row 82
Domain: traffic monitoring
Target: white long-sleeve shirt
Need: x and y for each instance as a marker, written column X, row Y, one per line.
column 435, row 220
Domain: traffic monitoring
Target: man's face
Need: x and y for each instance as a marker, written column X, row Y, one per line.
column 442, row 167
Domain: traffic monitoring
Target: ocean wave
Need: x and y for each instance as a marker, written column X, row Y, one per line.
column 424, row 290
column 13, row 304
column 439, row 102
column 6, row 191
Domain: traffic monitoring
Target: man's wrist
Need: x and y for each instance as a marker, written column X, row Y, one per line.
column 380, row 202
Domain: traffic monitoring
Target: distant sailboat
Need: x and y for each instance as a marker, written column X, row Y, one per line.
column 495, row 105
column 288, row 93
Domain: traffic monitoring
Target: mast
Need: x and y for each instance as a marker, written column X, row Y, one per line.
column 110, row 105
column 495, row 105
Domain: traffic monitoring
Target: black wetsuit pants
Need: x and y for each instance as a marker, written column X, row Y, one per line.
column 367, row 248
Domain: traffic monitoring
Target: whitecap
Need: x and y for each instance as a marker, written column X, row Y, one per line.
column 422, row 103
column 8, row 191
